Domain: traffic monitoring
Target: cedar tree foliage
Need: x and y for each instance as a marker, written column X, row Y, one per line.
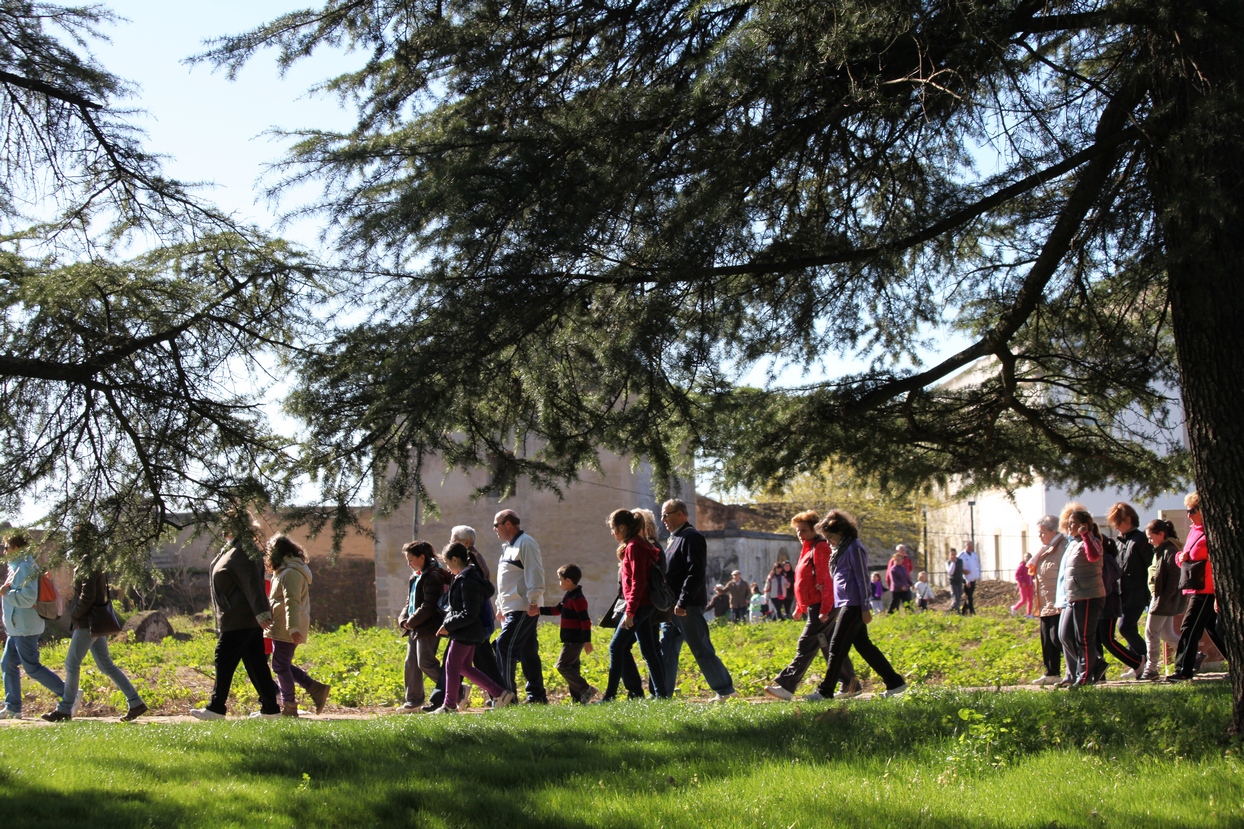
column 134, row 319
column 575, row 222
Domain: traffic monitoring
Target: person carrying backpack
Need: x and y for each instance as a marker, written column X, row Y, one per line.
column 24, row 625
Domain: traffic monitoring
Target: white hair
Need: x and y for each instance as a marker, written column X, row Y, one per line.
column 462, row 534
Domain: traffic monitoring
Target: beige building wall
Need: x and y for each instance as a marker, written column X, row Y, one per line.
column 570, row 530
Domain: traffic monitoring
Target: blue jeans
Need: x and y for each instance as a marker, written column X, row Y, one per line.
column 23, row 652
column 694, row 629
column 81, row 642
column 643, row 631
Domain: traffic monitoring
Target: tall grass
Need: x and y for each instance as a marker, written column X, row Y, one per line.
column 364, row 665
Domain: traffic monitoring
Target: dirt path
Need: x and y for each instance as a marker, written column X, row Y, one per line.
column 369, row 714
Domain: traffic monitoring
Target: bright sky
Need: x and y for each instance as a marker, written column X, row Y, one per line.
column 212, row 128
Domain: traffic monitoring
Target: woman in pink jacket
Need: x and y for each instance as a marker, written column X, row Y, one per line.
column 1027, row 596
column 1196, row 580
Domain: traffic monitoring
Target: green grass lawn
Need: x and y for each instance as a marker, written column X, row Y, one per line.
column 1142, row 756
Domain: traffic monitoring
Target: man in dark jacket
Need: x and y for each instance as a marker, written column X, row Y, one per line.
column 686, row 563
column 242, row 616
column 1135, row 557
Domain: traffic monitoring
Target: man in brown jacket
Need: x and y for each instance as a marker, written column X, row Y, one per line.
column 242, row 616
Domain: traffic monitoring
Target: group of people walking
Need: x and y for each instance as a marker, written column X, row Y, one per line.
column 1089, row 589
column 1085, row 589
column 255, row 617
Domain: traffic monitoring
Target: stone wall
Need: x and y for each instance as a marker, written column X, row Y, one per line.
column 570, row 530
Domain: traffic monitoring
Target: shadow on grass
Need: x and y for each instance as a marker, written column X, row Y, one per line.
column 513, row 768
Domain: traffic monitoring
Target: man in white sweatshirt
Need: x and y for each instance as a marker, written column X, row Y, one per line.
column 520, row 592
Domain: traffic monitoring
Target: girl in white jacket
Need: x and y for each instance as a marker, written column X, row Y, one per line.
column 291, row 622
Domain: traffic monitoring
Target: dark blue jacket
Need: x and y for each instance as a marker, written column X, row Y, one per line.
column 687, row 564
column 467, row 593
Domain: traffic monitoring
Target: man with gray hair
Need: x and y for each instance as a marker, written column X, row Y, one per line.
column 1044, row 567
column 685, row 572
column 520, row 592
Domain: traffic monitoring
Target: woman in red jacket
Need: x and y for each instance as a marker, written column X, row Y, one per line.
column 1196, row 579
column 638, row 558
column 814, row 587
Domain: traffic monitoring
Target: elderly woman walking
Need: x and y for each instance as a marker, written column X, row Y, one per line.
column 814, row 590
column 848, row 563
column 1044, row 567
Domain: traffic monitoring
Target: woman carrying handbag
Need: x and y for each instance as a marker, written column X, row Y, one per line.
column 92, row 621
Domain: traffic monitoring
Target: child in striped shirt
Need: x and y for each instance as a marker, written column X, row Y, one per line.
column 576, row 632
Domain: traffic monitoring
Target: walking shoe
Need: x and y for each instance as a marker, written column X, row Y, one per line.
column 854, row 688
column 411, row 708
column 1130, row 673
column 319, row 695
column 56, row 716
column 816, row 696
column 77, row 704
column 135, row 712
column 259, row 715
column 1065, row 682
column 429, row 708
column 724, row 697
column 894, row 692
column 779, row 692
column 1178, row 678
column 7, row 713
column 444, row 710
column 206, row 714
column 590, row 694
column 506, row 698
column 289, row 709
column 1149, row 676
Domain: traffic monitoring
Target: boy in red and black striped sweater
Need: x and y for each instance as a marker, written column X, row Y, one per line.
column 576, row 630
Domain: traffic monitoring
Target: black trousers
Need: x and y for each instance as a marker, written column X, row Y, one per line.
column 969, row 598
column 245, row 646
column 899, row 598
column 1051, row 646
column 516, row 645
column 851, row 632
column 1199, row 618
column 812, row 640
column 1105, row 639
column 1129, row 630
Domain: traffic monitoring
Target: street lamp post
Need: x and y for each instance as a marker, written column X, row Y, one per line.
column 924, row 513
column 972, row 525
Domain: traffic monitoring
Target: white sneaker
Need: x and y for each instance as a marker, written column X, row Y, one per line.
column 506, row 698
column 1130, row 673
column 894, row 692
column 259, row 715
column 77, row 704
column 724, row 697
column 779, row 692
column 444, row 710
column 1045, row 680
column 7, row 713
column 815, row 696
column 206, row 714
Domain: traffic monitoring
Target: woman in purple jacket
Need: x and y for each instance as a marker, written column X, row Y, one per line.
column 848, row 563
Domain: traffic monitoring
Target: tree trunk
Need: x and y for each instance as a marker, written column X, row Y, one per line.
column 1198, row 183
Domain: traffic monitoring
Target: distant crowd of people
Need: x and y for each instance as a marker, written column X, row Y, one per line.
column 1086, row 590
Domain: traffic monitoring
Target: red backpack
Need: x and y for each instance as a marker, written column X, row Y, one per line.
column 49, row 605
